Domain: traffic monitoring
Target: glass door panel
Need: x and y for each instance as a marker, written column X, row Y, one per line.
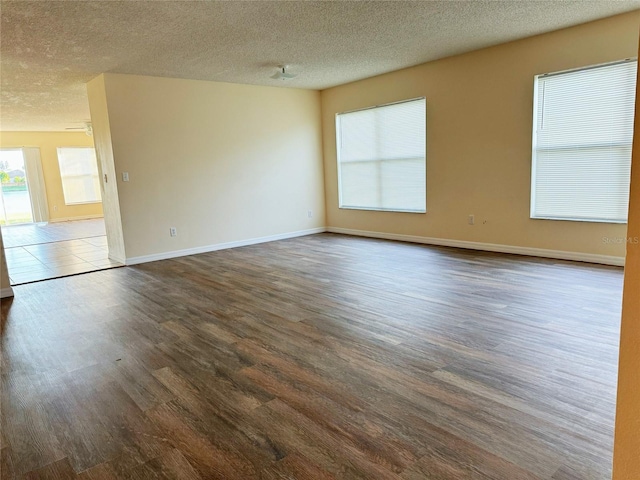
column 15, row 202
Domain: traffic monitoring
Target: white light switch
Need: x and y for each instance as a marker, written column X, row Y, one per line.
column 125, row 176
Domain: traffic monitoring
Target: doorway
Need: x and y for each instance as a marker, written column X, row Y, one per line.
column 37, row 246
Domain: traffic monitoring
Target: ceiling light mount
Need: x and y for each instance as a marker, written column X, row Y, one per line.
column 282, row 73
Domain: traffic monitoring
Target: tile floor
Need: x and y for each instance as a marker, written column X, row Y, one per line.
column 42, row 261
column 33, row 233
column 51, row 260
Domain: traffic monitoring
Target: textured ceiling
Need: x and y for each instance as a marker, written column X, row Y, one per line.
column 50, row 49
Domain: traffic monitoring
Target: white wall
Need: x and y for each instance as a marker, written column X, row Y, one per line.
column 220, row 162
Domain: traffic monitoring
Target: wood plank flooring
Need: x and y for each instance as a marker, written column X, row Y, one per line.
column 321, row 357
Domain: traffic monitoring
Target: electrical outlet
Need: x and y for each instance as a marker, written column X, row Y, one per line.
column 309, row 214
column 125, row 176
column 472, row 220
column 173, row 231
column 55, row 208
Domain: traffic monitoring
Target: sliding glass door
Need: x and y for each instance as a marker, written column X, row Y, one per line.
column 15, row 202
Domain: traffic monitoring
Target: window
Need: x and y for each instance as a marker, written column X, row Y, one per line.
column 79, row 171
column 382, row 157
column 582, row 135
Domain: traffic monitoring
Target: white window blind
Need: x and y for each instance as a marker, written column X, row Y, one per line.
column 79, row 172
column 583, row 131
column 382, row 157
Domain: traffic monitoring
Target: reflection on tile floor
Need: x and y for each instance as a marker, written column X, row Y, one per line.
column 51, row 260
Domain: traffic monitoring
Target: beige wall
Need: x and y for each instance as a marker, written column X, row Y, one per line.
column 220, row 162
column 479, row 124
column 626, row 454
column 48, row 142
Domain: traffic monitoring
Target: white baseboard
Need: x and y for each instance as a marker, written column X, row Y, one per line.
column 6, row 292
column 489, row 247
column 220, row 246
column 71, row 219
column 444, row 242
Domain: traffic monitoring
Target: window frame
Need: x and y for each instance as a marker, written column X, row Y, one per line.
column 534, row 145
column 379, row 161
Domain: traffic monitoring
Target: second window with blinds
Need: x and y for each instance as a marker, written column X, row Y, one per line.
column 582, row 135
column 382, row 157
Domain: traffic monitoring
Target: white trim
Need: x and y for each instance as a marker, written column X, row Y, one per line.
column 72, row 219
column 117, row 259
column 220, row 246
column 489, row 247
column 6, row 292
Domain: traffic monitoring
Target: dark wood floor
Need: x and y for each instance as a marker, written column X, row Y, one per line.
column 314, row 358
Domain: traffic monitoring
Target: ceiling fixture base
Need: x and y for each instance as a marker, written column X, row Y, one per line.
column 282, row 74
